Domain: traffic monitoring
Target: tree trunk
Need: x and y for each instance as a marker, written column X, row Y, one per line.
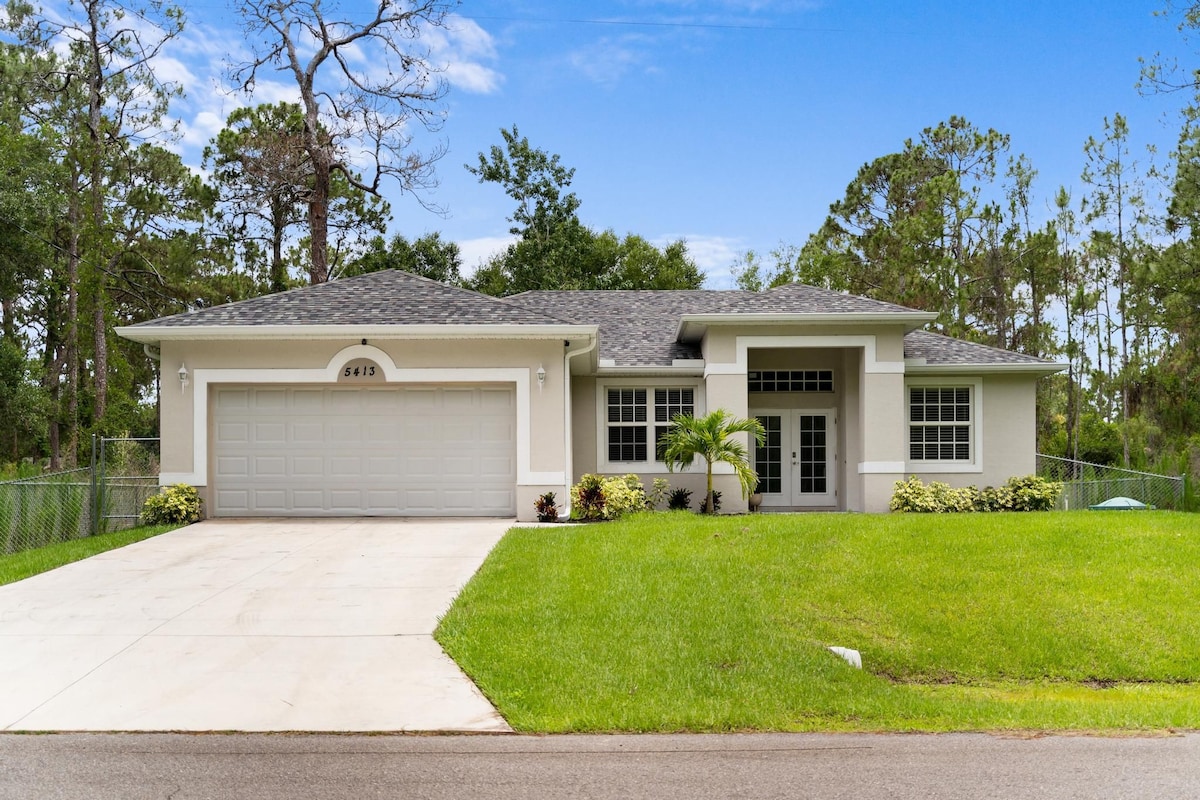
column 318, row 223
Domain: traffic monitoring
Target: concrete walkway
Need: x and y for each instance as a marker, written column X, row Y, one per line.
column 248, row 625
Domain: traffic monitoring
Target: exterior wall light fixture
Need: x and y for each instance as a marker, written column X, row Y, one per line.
column 183, row 378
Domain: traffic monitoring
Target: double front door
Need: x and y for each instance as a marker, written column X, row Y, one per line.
column 795, row 465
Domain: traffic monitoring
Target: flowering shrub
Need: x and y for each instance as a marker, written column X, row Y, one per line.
column 178, row 504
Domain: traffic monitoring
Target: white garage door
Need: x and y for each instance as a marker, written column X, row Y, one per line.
column 387, row 450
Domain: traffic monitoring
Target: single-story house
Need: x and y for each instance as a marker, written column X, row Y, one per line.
column 390, row 394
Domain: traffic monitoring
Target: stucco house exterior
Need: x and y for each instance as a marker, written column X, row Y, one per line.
column 390, row 394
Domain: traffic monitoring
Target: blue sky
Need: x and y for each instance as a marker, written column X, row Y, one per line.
column 735, row 123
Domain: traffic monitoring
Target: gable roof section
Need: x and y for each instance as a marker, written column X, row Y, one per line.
column 379, row 303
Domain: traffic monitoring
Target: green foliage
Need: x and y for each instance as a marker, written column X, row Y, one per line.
column 680, row 499
column 1033, row 493
column 175, row 505
column 25, row 564
column 600, row 498
column 1029, row 493
column 657, row 493
column 546, row 510
column 429, row 256
column 711, row 437
column 555, row 249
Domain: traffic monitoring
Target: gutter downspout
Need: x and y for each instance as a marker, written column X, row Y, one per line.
column 569, row 431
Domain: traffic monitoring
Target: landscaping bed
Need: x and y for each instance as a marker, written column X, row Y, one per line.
column 673, row 621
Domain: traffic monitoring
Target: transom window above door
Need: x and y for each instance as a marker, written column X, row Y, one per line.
column 790, row 380
column 630, row 419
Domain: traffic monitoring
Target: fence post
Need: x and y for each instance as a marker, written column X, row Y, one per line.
column 93, row 497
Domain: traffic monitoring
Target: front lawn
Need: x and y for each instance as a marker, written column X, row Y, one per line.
column 665, row 622
column 18, row 566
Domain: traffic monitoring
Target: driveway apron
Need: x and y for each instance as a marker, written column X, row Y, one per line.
column 249, row 625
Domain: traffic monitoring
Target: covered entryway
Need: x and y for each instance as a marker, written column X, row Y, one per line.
column 796, row 464
column 382, row 450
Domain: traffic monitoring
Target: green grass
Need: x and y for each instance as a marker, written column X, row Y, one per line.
column 668, row 622
column 19, row 566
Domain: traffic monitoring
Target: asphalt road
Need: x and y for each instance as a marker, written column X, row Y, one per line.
column 831, row 767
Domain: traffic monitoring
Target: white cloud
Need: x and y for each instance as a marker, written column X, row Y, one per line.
column 609, row 59
column 461, row 48
column 475, row 252
column 714, row 255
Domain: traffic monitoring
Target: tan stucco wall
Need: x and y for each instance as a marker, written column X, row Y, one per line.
column 547, row 444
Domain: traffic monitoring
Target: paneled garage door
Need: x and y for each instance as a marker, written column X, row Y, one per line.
column 351, row 451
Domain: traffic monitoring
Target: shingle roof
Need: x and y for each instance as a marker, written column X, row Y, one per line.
column 638, row 327
column 938, row 350
column 388, row 297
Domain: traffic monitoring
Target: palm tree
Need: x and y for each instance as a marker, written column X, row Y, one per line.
column 710, row 437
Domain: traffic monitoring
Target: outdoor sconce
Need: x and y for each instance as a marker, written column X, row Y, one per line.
column 183, row 378
column 541, row 376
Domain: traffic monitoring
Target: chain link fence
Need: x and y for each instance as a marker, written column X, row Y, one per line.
column 57, row 507
column 1086, row 484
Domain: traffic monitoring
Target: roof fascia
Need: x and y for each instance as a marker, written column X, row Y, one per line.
column 153, row 334
column 912, row 320
column 915, row 367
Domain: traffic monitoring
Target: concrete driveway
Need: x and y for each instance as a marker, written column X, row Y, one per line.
column 248, row 625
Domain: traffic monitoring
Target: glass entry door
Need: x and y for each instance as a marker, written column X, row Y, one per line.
column 795, row 465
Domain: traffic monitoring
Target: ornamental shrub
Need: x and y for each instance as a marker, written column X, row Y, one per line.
column 1029, row 493
column 587, row 497
column 175, row 505
column 655, row 496
column 596, row 497
column 546, row 510
column 679, row 499
column 1033, row 493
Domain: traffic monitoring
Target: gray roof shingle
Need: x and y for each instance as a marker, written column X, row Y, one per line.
column 939, row 350
column 638, row 327
column 387, row 297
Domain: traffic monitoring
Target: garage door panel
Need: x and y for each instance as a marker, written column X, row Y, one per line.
column 381, row 450
column 269, row 399
column 270, row 467
column 310, row 401
column 233, row 466
column 305, row 432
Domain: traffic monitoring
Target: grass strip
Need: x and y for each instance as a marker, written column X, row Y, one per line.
column 19, row 566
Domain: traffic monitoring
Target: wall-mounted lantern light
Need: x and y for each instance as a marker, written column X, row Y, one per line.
column 183, row 377
column 541, row 375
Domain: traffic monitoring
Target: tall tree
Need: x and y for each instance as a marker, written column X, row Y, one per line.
column 429, row 256
column 264, row 179
column 554, row 249
column 1115, row 209
column 357, row 120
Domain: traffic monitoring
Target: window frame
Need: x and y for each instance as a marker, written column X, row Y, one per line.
column 651, row 464
column 974, row 425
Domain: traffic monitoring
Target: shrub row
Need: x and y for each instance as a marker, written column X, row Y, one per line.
column 1030, row 493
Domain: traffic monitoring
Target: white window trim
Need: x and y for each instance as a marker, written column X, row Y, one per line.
column 603, row 465
column 976, row 424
